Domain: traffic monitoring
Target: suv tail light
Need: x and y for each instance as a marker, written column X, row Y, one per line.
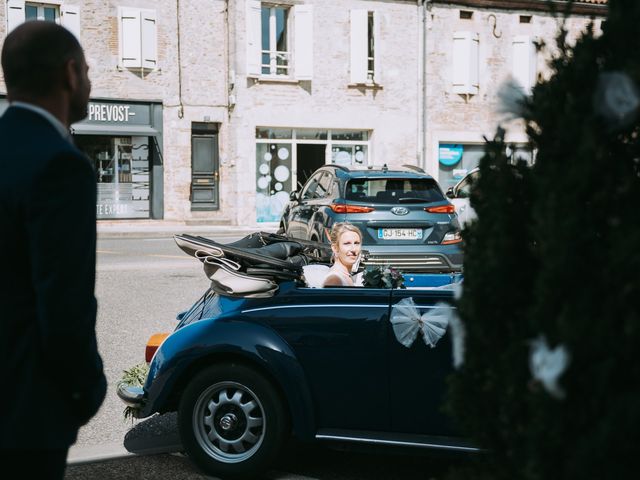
column 448, row 208
column 451, row 237
column 344, row 208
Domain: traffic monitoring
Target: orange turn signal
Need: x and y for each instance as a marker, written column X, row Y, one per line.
column 343, row 208
column 153, row 344
column 448, row 208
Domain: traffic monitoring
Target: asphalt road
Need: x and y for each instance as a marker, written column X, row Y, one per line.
column 141, row 285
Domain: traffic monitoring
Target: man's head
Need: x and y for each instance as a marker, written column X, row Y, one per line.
column 43, row 61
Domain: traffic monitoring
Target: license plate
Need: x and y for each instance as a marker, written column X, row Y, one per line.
column 400, row 233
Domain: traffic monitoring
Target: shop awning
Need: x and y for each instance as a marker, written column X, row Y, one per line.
column 133, row 130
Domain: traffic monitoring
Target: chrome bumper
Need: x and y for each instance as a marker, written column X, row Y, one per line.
column 131, row 396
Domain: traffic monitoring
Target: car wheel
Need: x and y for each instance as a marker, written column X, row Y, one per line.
column 232, row 421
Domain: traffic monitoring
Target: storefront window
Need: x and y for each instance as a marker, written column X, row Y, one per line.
column 456, row 160
column 287, row 157
column 273, row 180
column 122, row 174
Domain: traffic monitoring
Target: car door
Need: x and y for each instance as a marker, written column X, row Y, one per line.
column 460, row 199
column 325, row 192
column 301, row 212
column 339, row 335
column 417, row 374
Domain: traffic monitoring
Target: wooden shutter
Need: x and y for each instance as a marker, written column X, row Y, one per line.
column 524, row 65
column 254, row 37
column 130, row 37
column 15, row 14
column 465, row 63
column 70, row 18
column 149, row 39
column 303, row 49
column 377, row 42
column 359, row 35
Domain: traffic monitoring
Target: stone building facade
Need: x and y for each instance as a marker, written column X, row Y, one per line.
column 212, row 111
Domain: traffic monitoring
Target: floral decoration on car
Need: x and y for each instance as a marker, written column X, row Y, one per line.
column 134, row 377
column 383, row 277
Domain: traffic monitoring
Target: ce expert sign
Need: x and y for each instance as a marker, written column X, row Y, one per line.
column 102, row 112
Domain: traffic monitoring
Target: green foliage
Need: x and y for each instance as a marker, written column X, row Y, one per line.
column 135, row 377
column 554, row 253
column 383, row 277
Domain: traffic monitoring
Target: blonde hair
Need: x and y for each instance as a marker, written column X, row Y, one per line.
column 339, row 228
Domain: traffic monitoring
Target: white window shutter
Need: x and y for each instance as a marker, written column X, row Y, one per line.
column 254, row 37
column 15, row 14
column 303, row 48
column 359, row 39
column 130, row 37
column 524, row 62
column 149, row 39
column 71, row 18
column 465, row 63
column 377, row 41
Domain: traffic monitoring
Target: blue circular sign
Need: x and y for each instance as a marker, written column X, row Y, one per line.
column 450, row 154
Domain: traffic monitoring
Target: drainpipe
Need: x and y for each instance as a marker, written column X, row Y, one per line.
column 425, row 7
column 420, row 80
column 422, row 65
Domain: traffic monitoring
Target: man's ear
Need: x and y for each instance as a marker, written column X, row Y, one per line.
column 71, row 80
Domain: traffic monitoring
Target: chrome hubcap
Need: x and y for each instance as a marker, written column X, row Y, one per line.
column 228, row 421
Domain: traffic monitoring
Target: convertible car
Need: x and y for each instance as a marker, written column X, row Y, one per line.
column 265, row 354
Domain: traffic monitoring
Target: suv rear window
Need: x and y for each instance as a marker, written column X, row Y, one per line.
column 394, row 190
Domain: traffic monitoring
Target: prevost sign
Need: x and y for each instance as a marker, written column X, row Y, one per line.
column 105, row 112
column 117, row 113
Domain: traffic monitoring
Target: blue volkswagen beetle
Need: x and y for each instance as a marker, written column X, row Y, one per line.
column 248, row 365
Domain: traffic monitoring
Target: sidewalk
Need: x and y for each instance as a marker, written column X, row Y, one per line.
column 167, row 228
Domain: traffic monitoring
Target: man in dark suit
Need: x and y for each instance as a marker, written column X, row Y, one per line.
column 52, row 372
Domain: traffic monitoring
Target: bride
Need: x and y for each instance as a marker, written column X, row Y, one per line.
column 346, row 243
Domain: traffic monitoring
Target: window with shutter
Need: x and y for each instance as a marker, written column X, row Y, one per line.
column 276, row 55
column 138, row 38
column 279, row 40
column 365, row 39
column 18, row 11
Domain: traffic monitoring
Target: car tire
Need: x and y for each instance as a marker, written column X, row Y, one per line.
column 232, row 421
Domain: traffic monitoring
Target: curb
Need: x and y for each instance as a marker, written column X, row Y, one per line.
column 102, row 453
column 169, row 230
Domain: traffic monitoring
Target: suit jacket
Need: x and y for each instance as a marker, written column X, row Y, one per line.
column 52, row 372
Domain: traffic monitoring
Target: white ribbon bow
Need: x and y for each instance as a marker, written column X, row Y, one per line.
column 407, row 322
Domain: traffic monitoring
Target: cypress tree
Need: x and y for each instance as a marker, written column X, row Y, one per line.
column 568, row 271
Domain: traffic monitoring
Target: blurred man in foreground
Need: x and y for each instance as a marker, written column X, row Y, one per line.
column 51, row 368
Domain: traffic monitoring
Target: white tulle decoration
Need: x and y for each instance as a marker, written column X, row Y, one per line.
column 547, row 366
column 407, row 322
column 458, row 336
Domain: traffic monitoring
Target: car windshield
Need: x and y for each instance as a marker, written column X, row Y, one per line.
column 394, row 190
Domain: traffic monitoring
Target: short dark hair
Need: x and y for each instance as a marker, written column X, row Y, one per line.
column 34, row 56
